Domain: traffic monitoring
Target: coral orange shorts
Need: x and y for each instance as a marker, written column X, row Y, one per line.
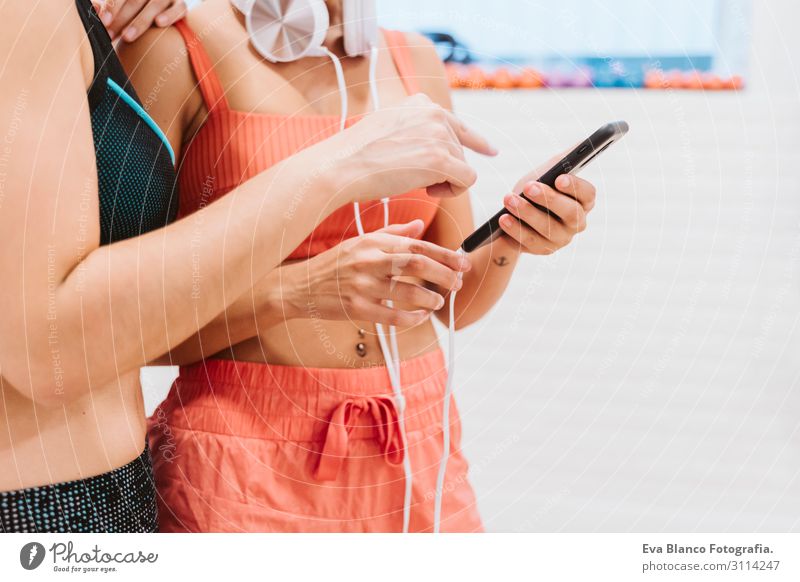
column 255, row 447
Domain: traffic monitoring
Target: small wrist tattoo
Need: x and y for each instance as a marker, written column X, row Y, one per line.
column 501, row 261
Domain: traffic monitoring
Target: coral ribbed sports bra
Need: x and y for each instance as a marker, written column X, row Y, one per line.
column 233, row 146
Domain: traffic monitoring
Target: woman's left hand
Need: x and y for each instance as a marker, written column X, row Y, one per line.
column 131, row 18
column 534, row 230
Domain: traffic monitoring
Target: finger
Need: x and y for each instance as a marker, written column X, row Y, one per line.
column 421, row 267
column 469, row 137
column 172, row 14
column 459, row 175
column 379, row 313
column 565, row 208
column 413, row 229
column 410, row 295
column 451, row 140
column 548, row 226
column 144, row 20
column 440, row 190
column 106, row 12
column 534, row 175
column 112, row 6
column 451, row 259
column 528, row 239
column 119, row 13
column 581, row 190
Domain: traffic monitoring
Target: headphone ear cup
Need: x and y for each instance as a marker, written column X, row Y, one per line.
column 242, row 6
column 287, row 30
column 360, row 26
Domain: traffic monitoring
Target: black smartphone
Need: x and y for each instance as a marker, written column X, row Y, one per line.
column 574, row 161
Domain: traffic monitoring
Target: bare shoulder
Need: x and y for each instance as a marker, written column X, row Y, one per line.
column 157, row 60
column 429, row 68
column 156, row 45
column 50, row 20
column 40, row 37
column 159, row 68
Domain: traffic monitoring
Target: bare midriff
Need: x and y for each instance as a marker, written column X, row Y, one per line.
column 319, row 343
column 94, row 434
column 315, row 342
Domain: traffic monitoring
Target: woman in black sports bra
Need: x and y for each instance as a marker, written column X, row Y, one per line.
column 96, row 279
column 136, row 192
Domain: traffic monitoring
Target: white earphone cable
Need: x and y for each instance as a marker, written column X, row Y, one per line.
column 448, row 394
column 337, row 65
column 376, row 104
column 391, row 354
column 373, row 75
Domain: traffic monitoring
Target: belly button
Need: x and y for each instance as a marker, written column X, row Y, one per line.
column 361, row 347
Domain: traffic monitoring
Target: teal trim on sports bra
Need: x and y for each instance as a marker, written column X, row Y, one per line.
column 131, row 102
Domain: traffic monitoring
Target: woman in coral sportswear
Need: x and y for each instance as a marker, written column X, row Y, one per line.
column 283, row 417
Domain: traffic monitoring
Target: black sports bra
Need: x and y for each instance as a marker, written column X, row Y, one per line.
column 135, row 163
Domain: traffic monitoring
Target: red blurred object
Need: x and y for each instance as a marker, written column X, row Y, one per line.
column 654, row 79
column 693, row 80
column 675, row 80
column 475, row 78
column 735, row 83
column 455, row 75
column 530, row 78
column 711, row 82
column 502, row 79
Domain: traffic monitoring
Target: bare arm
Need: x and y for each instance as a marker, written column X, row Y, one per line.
column 260, row 308
column 159, row 68
column 492, row 265
column 76, row 315
column 350, row 281
column 528, row 229
column 72, row 300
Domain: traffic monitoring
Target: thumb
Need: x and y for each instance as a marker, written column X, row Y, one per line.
column 411, row 229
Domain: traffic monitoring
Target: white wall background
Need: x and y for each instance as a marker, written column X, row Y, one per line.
column 568, row 27
column 647, row 377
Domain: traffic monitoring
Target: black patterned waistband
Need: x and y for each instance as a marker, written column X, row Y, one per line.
column 122, row 500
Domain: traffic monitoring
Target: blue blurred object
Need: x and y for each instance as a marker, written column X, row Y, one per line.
column 450, row 50
column 630, row 71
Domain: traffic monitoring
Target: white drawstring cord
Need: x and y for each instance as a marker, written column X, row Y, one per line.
column 391, row 354
column 448, row 394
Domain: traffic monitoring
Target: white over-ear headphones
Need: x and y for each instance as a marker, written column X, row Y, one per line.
column 287, row 30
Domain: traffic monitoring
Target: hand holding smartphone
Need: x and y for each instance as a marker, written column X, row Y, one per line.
column 573, row 162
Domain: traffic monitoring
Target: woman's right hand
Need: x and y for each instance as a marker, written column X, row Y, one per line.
column 417, row 144
column 354, row 279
